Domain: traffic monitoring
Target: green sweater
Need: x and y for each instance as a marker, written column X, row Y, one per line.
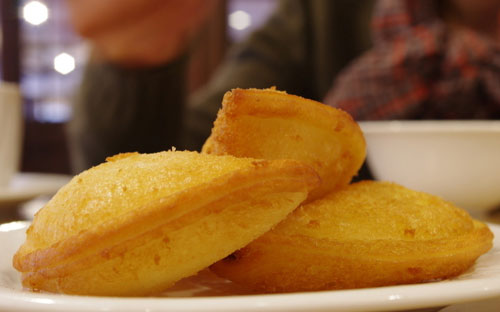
column 301, row 49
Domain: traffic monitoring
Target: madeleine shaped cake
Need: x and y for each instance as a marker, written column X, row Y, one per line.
column 140, row 222
column 272, row 124
column 367, row 234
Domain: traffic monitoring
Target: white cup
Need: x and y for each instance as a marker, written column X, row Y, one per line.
column 10, row 131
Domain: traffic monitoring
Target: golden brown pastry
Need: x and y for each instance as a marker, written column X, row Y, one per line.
column 139, row 222
column 366, row 235
column 271, row 124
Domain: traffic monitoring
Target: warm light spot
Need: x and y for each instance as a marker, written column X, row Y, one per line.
column 35, row 12
column 239, row 20
column 64, row 63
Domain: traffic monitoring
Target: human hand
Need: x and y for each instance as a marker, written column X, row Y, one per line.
column 139, row 32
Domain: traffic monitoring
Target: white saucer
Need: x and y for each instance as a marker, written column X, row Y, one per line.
column 25, row 186
column 207, row 293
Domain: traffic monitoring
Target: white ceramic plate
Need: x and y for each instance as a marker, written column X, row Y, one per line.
column 25, row 186
column 208, row 293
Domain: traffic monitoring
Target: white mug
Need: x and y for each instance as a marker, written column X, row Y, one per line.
column 11, row 121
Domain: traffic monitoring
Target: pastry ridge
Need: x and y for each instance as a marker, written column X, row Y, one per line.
column 271, row 124
column 308, row 252
column 109, row 246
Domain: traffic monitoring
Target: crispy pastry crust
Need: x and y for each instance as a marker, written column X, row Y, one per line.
column 147, row 248
column 368, row 234
column 272, row 124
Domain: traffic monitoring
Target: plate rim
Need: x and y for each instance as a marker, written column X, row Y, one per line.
column 447, row 127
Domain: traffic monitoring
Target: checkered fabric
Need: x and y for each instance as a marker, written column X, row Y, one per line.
column 419, row 69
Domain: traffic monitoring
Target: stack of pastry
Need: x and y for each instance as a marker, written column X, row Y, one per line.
column 266, row 204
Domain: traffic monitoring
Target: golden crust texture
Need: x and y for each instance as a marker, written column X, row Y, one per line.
column 139, row 222
column 272, row 124
column 367, row 234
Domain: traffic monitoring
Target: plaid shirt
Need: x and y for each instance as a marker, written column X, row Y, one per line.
column 418, row 69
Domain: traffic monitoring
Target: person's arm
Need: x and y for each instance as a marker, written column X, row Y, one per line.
column 139, row 33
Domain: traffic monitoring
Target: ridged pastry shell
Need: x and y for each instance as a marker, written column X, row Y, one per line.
column 368, row 234
column 140, row 222
column 272, row 124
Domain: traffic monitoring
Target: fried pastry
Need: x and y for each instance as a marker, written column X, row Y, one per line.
column 139, row 222
column 368, row 234
column 272, row 124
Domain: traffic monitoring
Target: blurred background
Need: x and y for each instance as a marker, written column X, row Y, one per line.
column 40, row 51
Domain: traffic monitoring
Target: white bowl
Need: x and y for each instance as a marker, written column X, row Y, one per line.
column 456, row 160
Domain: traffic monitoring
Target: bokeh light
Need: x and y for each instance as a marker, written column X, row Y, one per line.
column 35, row 12
column 239, row 20
column 64, row 63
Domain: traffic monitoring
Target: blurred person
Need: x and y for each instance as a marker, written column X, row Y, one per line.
column 133, row 94
column 425, row 59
